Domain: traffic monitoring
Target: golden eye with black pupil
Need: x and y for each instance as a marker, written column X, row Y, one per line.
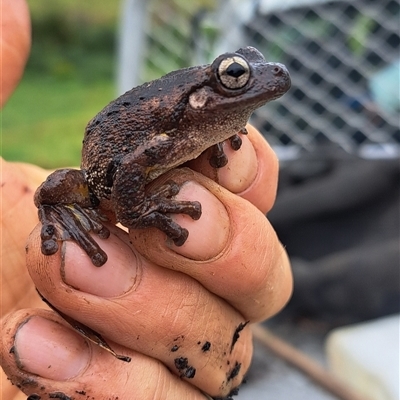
column 234, row 72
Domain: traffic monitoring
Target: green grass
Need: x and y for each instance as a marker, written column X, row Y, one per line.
column 68, row 80
column 44, row 121
column 98, row 10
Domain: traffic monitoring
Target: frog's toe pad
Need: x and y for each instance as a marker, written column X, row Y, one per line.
column 49, row 247
column 194, row 210
column 99, row 258
column 236, row 142
column 218, row 159
column 179, row 241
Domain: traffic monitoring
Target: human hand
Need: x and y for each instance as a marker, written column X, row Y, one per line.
column 158, row 303
column 175, row 302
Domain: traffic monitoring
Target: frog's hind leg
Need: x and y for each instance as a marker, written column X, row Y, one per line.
column 66, row 212
column 158, row 218
column 137, row 207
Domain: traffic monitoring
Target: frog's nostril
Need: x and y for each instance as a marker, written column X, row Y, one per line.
column 277, row 70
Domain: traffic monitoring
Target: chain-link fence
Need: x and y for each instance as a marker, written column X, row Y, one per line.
column 343, row 57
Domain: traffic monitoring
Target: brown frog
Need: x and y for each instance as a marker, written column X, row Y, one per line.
column 144, row 133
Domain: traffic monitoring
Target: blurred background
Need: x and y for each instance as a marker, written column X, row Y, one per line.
column 343, row 57
column 336, row 134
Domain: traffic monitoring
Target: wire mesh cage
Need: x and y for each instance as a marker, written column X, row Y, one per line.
column 343, row 57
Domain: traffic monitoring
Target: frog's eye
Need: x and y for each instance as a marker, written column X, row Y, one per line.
column 234, row 72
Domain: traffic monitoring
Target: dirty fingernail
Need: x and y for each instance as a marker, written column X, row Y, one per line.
column 50, row 350
column 208, row 235
column 114, row 278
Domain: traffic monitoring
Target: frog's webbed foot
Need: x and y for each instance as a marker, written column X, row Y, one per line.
column 218, row 158
column 67, row 213
column 154, row 210
column 71, row 222
column 161, row 204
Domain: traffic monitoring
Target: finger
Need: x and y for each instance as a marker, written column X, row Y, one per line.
column 18, row 183
column 15, row 44
column 153, row 310
column 44, row 357
column 232, row 250
column 251, row 172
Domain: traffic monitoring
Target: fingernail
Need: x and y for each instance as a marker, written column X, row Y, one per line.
column 242, row 167
column 116, row 277
column 208, row 235
column 50, row 350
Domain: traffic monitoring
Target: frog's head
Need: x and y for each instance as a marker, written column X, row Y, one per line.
column 237, row 84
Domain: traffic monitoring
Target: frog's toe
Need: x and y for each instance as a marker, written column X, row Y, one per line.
column 48, row 235
column 168, row 190
column 191, row 208
column 218, row 158
column 236, row 142
column 179, row 241
column 194, row 210
column 49, row 247
column 244, row 131
column 99, row 258
column 165, row 224
column 103, row 233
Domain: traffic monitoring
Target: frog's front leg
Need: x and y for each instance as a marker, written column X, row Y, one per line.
column 218, row 158
column 137, row 207
column 67, row 211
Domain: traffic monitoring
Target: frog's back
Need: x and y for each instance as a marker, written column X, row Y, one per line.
column 145, row 106
column 135, row 117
